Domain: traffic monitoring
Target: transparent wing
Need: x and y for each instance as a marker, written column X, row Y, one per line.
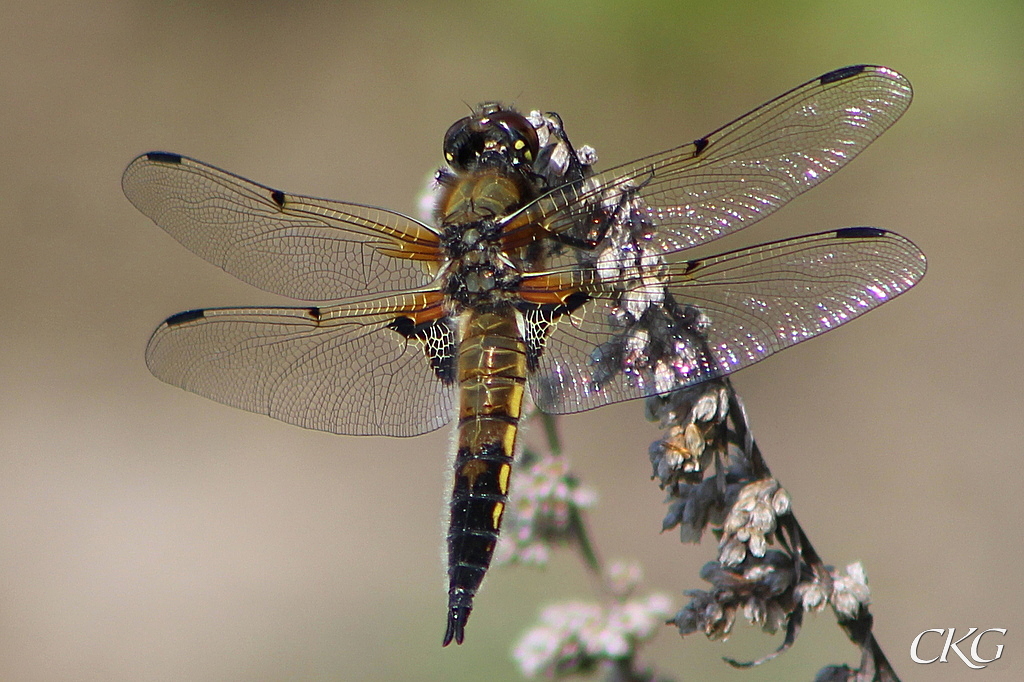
column 339, row 369
column 744, row 171
column 302, row 247
column 705, row 318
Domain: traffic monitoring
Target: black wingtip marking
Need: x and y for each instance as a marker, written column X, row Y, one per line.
column 700, row 145
column 278, row 197
column 861, row 233
column 163, row 157
column 841, row 74
column 182, row 318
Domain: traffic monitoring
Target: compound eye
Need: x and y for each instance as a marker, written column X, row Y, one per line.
column 522, row 136
column 457, row 143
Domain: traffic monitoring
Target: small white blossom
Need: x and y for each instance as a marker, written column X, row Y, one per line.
column 751, row 520
column 427, row 199
column 851, row 591
column 623, row 577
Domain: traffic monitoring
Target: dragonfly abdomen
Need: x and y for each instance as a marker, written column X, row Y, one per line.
column 492, row 378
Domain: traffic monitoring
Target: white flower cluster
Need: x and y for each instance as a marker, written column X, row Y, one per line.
column 544, row 499
column 576, row 636
column 751, row 519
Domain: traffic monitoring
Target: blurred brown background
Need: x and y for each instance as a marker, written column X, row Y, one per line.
column 148, row 534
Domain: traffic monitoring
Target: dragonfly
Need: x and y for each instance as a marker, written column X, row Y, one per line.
column 537, row 275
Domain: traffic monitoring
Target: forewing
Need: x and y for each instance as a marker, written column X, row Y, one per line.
column 744, row 171
column 755, row 302
column 306, row 248
column 338, row 369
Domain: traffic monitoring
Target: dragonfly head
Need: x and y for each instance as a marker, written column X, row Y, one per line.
column 492, row 136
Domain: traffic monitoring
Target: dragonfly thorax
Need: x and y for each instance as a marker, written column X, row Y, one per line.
column 490, row 155
column 478, row 272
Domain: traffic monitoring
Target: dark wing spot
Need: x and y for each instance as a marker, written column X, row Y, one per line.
column 692, row 265
column 860, row 233
column 700, row 145
column 404, row 326
column 314, row 312
column 163, row 157
column 539, row 318
column 841, row 74
column 438, row 337
column 278, row 197
column 184, row 317
column 574, row 301
column 552, row 311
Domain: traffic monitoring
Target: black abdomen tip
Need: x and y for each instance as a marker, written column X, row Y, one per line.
column 457, row 616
